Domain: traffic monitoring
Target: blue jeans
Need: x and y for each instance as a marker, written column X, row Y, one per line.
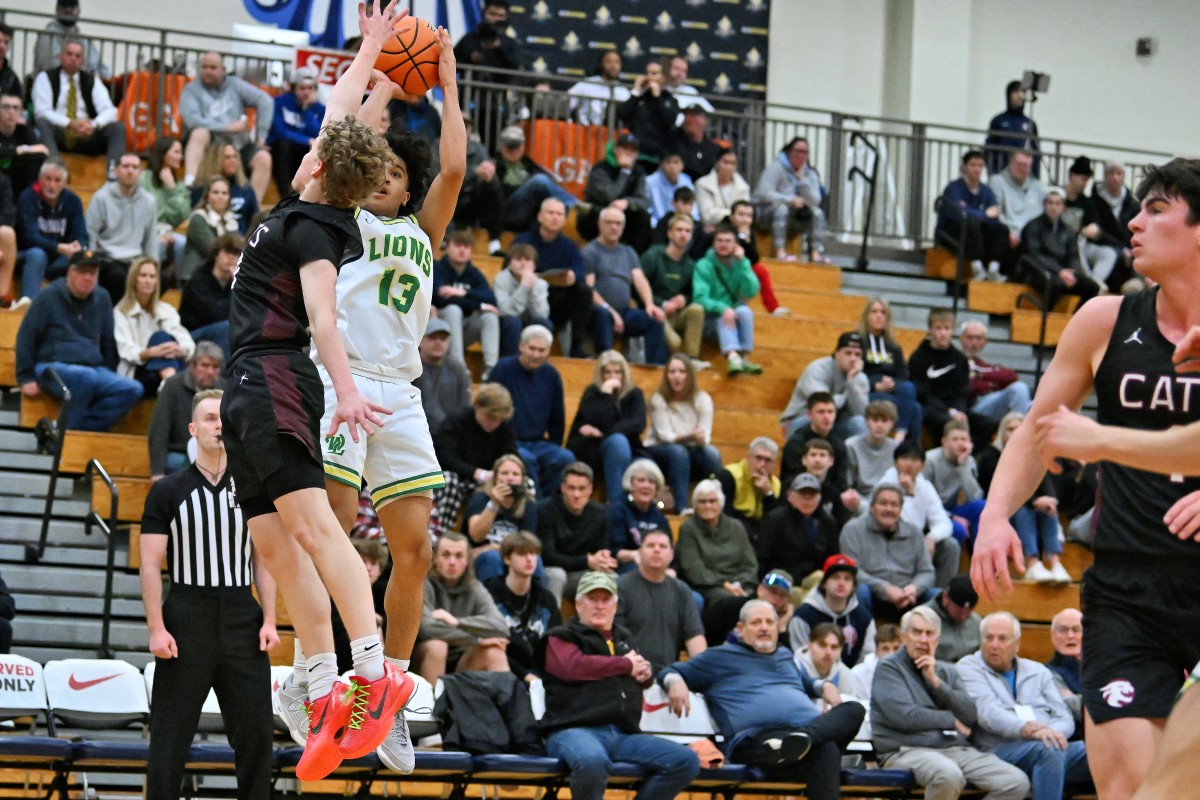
column 737, row 337
column 904, row 396
column 637, row 323
column 99, row 396
column 1048, row 769
column 679, row 463
column 590, row 753
column 545, row 462
column 1038, row 532
column 489, row 564
column 521, row 207
column 175, row 462
column 1014, row 397
column 969, row 511
column 845, row 427
column 215, row 332
column 510, row 331
column 615, row 457
column 36, row 266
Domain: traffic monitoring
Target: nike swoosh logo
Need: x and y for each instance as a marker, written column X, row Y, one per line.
column 315, row 728
column 371, row 646
column 937, row 373
column 377, row 712
column 650, row 708
column 79, row 685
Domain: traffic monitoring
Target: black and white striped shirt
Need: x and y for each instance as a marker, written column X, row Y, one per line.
column 209, row 544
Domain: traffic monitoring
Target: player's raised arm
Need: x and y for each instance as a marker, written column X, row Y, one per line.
column 439, row 204
column 1066, row 382
column 376, row 29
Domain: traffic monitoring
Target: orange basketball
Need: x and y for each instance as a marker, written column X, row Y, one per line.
column 410, row 60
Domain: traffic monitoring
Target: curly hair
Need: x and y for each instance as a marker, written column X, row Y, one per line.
column 418, row 162
column 354, row 157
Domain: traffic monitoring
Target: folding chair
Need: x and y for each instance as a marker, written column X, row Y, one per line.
column 211, row 720
column 23, row 695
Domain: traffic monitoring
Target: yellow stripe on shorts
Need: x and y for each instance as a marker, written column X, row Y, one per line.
column 417, row 483
column 342, row 474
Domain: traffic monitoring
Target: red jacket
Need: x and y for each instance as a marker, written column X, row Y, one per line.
column 987, row 378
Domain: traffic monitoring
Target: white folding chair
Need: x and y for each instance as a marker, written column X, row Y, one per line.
column 210, row 721
column 96, row 693
column 658, row 719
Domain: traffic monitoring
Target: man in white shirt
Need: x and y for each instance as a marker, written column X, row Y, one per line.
column 73, row 110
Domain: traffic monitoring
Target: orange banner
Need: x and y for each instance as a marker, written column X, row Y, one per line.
column 138, row 106
column 567, row 149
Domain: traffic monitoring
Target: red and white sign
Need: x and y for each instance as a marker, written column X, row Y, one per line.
column 328, row 64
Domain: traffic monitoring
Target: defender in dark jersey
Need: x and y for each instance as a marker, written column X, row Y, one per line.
column 1141, row 608
column 285, row 286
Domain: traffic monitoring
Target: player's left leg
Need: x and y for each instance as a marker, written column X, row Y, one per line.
column 1120, row 753
column 1175, row 771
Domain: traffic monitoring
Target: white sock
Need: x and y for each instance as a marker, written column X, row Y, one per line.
column 299, row 664
column 188, row 180
column 322, row 673
column 993, row 267
column 399, row 663
column 493, row 245
column 367, row 653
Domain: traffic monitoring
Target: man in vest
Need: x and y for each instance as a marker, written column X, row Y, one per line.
column 73, row 110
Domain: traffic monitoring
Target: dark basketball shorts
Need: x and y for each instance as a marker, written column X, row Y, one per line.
column 1141, row 634
column 270, row 423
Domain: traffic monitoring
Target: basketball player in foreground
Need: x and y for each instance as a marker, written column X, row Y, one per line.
column 284, row 286
column 1175, row 771
column 383, row 301
column 1141, row 610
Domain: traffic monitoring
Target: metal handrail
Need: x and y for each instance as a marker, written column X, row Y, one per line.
column 960, row 261
column 109, row 529
column 1044, row 309
column 855, row 137
column 34, row 553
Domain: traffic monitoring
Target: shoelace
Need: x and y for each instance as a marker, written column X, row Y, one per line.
column 358, row 695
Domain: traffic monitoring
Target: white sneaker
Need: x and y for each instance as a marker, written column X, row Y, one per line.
column 781, row 311
column 396, row 752
column 1038, row 573
column 978, row 273
column 699, row 365
column 1060, row 574
column 292, row 698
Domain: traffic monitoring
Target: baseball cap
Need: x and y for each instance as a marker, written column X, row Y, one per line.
column 1058, row 191
column 84, row 259
column 778, row 579
column 437, row 326
column 962, row 592
column 805, row 482
column 304, row 75
column 512, row 136
column 849, row 339
column 596, row 580
column 838, row 562
column 628, row 140
column 1081, row 166
column 696, row 109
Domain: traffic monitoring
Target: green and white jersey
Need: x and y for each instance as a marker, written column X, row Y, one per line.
column 383, row 297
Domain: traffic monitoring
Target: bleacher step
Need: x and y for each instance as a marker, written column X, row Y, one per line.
column 868, row 282
column 17, row 440
column 33, row 505
column 25, row 461
column 73, row 632
column 57, row 555
column 62, row 533
column 76, row 606
column 34, row 485
column 10, row 419
column 68, row 581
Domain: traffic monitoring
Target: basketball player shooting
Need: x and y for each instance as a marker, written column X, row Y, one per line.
column 1141, row 612
column 285, row 286
column 383, row 302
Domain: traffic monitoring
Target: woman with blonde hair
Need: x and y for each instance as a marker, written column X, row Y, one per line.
column 680, row 435
column 151, row 341
column 222, row 159
column 608, row 426
column 212, row 218
column 1036, row 522
column 500, row 506
column 886, row 369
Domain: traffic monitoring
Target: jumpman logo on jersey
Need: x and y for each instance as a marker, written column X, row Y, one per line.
column 244, row 376
column 1135, row 337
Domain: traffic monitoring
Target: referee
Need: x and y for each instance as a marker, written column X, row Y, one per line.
column 210, row 632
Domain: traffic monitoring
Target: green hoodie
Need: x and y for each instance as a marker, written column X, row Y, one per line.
column 717, row 287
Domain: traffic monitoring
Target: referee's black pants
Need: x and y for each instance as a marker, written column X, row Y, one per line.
column 216, row 631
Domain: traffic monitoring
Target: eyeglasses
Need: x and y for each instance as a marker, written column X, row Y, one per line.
column 1068, row 629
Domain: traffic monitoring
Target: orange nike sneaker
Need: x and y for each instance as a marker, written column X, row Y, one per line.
column 373, row 710
column 328, row 721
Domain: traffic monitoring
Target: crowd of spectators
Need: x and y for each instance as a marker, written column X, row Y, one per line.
column 793, row 563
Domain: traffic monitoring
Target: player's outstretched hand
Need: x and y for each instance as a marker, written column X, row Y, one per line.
column 377, row 26
column 1187, row 352
column 995, row 545
column 1066, row 434
column 447, row 65
column 1183, row 518
column 355, row 410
